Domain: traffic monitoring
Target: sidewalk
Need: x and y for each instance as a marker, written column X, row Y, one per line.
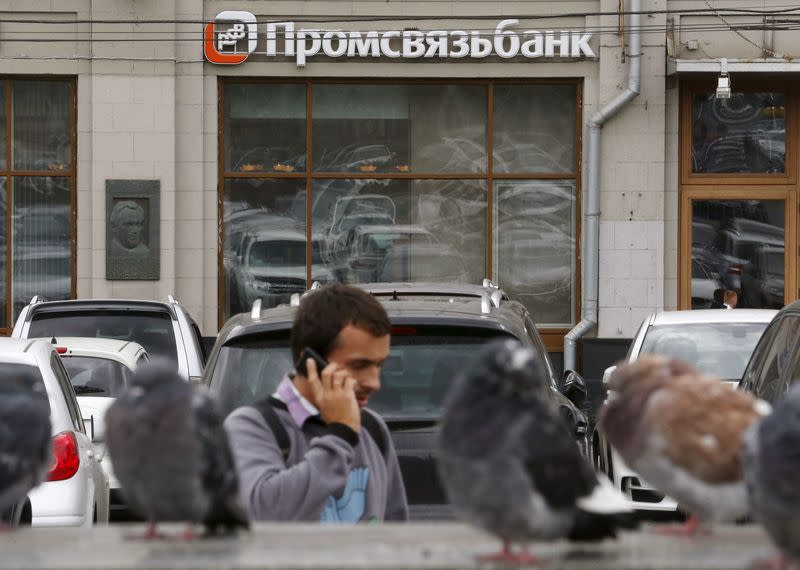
column 410, row 546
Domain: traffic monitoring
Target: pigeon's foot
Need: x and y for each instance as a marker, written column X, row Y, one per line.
column 691, row 528
column 507, row 556
column 149, row 534
column 188, row 534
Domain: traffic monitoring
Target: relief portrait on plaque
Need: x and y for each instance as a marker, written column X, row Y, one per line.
column 132, row 223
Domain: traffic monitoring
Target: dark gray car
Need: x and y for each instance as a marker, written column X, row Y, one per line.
column 436, row 331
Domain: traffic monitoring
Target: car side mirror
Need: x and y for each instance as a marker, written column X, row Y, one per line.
column 607, row 374
column 574, row 388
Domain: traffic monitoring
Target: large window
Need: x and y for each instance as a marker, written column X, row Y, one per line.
column 37, row 189
column 739, row 195
column 400, row 182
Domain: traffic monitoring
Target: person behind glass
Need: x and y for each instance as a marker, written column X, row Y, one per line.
column 719, row 299
column 731, row 298
column 334, row 470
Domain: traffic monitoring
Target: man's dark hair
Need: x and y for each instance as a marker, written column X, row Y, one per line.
column 325, row 312
column 719, row 296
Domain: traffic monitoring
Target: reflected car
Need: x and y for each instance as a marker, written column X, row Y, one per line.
column 705, row 279
column 436, row 330
column 763, row 278
column 359, row 253
column 75, row 491
column 717, row 342
column 272, row 266
column 100, row 369
column 422, row 262
column 736, row 244
column 43, row 271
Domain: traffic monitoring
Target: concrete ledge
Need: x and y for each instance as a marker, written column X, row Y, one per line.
column 389, row 546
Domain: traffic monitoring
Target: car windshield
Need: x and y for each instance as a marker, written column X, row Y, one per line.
column 22, row 374
column 721, row 350
column 414, row 379
column 153, row 330
column 92, row 376
column 277, row 253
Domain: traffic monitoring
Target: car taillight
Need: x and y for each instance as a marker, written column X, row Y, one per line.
column 65, row 461
column 735, row 269
column 61, row 349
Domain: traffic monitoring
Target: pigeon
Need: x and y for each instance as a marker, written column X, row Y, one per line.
column 682, row 431
column 25, row 433
column 171, row 454
column 771, row 461
column 509, row 464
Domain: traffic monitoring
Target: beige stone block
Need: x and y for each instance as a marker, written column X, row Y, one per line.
column 189, row 90
column 189, row 119
column 211, row 119
column 111, row 147
column 168, row 260
column 164, row 117
column 111, row 89
column 84, row 204
column 189, row 263
column 644, row 263
column 84, row 288
column 83, row 264
column 168, row 205
column 615, row 206
column 101, row 171
column 613, row 322
column 133, row 117
column 671, row 206
column 191, row 292
column 210, row 206
column 190, row 234
column 189, row 176
column 132, row 170
column 152, row 146
column 189, row 147
column 670, row 294
column 210, row 288
column 164, row 170
column 167, row 234
column 210, row 146
column 630, row 292
column 84, row 237
column 630, row 235
column 98, row 264
column 648, row 206
column 630, row 176
column 98, row 229
column 189, row 205
column 614, row 264
column 606, row 234
column 151, row 90
column 101, row 289
column 144, row 290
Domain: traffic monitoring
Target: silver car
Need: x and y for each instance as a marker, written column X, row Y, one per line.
column 718, row 342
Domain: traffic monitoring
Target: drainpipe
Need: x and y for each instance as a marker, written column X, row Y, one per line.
column 592, row 217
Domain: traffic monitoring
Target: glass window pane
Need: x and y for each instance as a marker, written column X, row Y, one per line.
column 738, row 245
column 42, row 235
column 3, row 147
column 743, row 134
column 42, row 125
column 3, row 293
column 399, row 128
column 265, row 242
column 534, row 246
column 401, row 230
column 265, row 127
column 534, row 128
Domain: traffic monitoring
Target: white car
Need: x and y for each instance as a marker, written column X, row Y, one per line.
column 718, row 342
column 76, row 491
column 100, row 368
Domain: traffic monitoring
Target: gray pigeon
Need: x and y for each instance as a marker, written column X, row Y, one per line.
column 171, row 454
column 25, row 433
column 509, row 464
column 682, row 431
column 771, row 460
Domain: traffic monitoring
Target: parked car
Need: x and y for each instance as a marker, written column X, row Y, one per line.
column 775, row 364
column 163, row 329
column 717, row 342
column 76, row 490
column 100, row 369
column 763, row 278
column 436, row 330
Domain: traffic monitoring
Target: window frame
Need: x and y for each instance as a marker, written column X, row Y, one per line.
column 551, row 336
column 9, row 173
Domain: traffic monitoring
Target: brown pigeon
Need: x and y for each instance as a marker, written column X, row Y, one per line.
column 682, row 431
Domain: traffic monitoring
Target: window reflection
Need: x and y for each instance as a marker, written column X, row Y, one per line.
column 3, row 253
column 738, row 245
column 743, row 134
column 42, row 245
column 535, row 246
column 42, row 125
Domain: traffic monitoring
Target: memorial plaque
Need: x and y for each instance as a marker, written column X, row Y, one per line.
column 132, row 229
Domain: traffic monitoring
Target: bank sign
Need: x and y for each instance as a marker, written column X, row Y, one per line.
column 234, row 36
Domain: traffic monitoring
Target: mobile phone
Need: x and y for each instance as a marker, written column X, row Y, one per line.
column 300, row 365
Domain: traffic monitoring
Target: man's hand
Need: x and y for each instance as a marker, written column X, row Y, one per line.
column 335, row 394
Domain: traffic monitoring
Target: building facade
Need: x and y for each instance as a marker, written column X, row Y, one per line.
column 196, row 148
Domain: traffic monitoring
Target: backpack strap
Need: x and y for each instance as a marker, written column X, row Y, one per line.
column 371, row 424
column 267, row 411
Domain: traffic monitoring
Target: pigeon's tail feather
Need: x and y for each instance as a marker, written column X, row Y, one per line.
column 593, row 526
column 229, row 515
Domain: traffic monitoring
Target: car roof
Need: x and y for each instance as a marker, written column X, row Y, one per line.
column 417, row 303
column 19, row 350
column 125, row 351
column 687, row 317
column 73, row 305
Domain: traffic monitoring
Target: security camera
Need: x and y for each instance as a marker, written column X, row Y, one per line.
column 724, row 81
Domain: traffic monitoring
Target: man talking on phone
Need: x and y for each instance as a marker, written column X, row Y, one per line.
column 312, row 451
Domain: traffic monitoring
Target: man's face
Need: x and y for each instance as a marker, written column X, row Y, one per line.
column 130, row 229
column 363, row 355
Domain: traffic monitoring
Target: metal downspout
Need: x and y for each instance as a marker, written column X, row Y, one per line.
column 592, row 216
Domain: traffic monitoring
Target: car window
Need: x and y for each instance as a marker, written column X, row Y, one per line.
column 152, row 329
column 751, row 375
column 69, row 394
column 198, row 339
column 414, row 380
column 721, row 350
column 768, row 382
column 538, row 345
column 98, row 377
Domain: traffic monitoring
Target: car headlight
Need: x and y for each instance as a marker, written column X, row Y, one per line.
column 257, row 284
